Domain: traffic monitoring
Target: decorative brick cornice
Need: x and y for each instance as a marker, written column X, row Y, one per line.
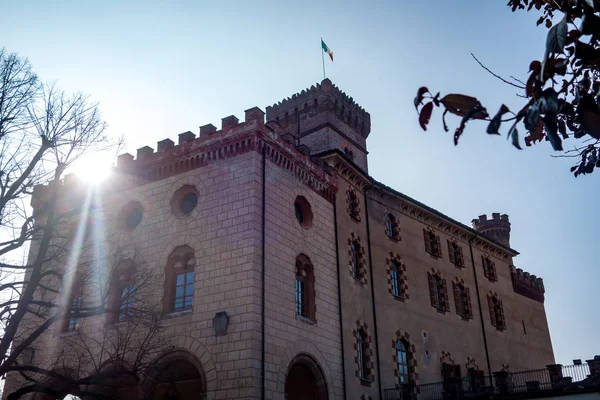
column 527, row 285
column 437, row 222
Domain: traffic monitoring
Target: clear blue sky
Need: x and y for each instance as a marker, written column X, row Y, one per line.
column 160, row 69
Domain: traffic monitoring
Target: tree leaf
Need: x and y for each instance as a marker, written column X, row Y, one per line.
column 536, row 134
column 494, row 124
column 532, row 116
column 562, row 128
column 419, row 99
column 513, row 133
column 557, row 36
column 444, row 120
column 551, row 125
column 469, row 115
column 425, row 115
column 460, row 105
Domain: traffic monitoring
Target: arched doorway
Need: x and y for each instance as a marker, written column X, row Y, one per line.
column 178, row 379
column 305, row 380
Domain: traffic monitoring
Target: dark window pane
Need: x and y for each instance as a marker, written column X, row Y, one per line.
column 188, row 202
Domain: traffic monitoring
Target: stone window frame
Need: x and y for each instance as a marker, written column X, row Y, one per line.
column 305, row 273
column 182, row 254
column 353, row 204
column 496, row 309
column 413, row 376
column 466, row 313
column 392, row 228
column 432, row 243
column 489, row 268
column 434, row 278
column 394, row 259
column 124, row 221
column 358, row 273
column 368, row 360
column 455, row 253
column 178, row 197
column 121, row 279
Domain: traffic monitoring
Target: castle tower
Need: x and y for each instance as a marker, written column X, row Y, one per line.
column 324, row 118
column 497, row 228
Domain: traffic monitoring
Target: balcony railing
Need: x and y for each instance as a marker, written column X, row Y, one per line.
column 501, row 384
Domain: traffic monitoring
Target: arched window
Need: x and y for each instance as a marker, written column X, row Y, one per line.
column 179, row 291
column 362, row 356
column 402, row 358
column 391, row 227
column 305, row 288
column 121, row 299
column 355, row 251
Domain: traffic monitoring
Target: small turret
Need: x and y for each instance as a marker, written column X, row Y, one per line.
column 497, row 228
column 324, row 118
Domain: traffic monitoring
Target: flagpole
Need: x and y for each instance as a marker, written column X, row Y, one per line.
column 323, row 58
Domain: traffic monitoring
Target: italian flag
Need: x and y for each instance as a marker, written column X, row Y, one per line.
column 327, row 49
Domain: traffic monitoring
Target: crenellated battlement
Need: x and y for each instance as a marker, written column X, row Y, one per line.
column 318, row 98
column 527, row 285
column 230, row 125
column 191, row 152
column 497, row 228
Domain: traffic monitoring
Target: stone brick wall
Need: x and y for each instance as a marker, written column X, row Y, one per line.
column 286, row 334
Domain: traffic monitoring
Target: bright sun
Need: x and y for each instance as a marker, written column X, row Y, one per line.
column 93, row 168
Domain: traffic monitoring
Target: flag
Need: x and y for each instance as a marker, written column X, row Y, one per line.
column 327, row 49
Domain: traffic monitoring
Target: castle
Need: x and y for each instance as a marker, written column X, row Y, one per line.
column 288, row 272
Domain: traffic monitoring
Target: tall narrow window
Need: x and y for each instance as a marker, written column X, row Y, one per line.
column 496, row 312
column 305, row 292
column 432, row 243
column 402, row 358
column 353, row 205
column 355, row 255
column 489, row 268
column 72, row 320
column 395, row 279
column 362, row 357
column 455, row 253
column 462, row 299
column 438, row 291
column 179, row 292
column 391, row 227
column 121, row 299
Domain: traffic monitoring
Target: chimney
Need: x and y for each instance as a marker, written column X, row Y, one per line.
column 497, row 228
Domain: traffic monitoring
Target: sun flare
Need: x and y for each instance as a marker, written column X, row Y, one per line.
column 93, row 168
